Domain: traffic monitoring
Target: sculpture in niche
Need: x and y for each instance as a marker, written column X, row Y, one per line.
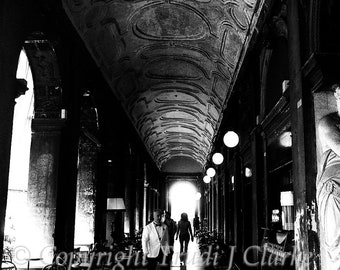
column 328, row 187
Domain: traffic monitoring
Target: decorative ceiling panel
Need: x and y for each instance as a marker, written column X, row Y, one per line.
column 171, row 63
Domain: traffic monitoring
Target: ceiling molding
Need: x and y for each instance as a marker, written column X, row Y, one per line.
column 172, row 65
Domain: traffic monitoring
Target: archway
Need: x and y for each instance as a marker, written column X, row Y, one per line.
column 31, row 204
column 17, row 223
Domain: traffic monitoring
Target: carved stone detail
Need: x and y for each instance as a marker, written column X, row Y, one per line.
column 47, row 84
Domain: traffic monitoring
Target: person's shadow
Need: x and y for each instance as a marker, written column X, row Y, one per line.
column 183, row 259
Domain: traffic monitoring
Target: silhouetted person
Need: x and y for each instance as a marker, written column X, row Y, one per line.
column 172, row 228
column 196, row 224
column 184, row 231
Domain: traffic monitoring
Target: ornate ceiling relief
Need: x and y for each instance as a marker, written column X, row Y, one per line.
column 170, row 62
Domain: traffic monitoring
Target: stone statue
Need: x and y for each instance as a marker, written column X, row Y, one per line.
column 328, row 187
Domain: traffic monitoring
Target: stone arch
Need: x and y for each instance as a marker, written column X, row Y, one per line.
column 46, row 77
column 46, row 126
column 15, row 26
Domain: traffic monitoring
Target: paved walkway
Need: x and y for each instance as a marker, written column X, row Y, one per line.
column 193, row 261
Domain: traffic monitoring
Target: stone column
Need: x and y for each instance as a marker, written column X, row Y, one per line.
column 112, row 191
column 42, row 183
column 210, row 207
column 145, row 197
column 100, row 203
column 86, row 190
column 149, row 202
column 71, row 61
column 212, row 203
column 130, row 187
column 139, row 204
column 300, row 104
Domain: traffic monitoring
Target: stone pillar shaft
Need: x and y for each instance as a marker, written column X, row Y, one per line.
column 86, row 191
column 43, row 175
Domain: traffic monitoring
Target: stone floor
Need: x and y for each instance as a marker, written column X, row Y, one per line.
column 193, row 260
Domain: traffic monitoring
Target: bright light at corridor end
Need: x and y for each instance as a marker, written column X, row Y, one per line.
column 231, row 139
column 217, row 158
column 183, row 199
column 206, row 179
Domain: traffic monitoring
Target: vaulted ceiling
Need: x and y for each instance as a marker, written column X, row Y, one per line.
column 171, row 63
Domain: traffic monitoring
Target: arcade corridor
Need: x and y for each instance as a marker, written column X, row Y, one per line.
column 110, row 109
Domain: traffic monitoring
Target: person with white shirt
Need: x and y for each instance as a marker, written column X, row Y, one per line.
column 155, row 242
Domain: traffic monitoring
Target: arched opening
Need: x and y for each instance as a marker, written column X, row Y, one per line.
column 183, row 198
column 17, row 226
